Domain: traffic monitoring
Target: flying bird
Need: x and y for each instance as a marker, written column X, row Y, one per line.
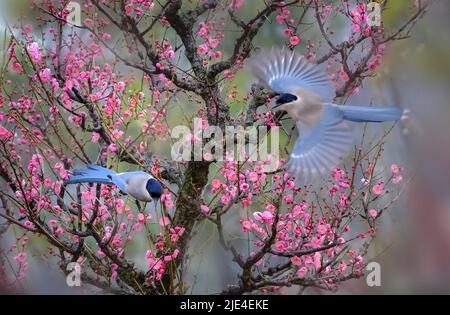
column 140, row 185
column 305, row 92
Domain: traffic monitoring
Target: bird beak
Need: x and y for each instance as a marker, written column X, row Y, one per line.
column 277, row 105
column 276, row 102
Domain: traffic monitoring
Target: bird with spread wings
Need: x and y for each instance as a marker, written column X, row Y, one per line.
column 306, row 93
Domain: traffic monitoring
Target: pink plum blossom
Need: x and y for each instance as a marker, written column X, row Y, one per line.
column 294, row 40
column 377, row 189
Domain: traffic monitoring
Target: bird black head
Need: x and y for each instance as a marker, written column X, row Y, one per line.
column 154, row 188
column 285, row 98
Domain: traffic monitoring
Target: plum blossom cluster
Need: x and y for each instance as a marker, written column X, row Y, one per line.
column 158, row 262
column 359, row 17
column 309, row 239
column 212, row 37
column 241, row 185
column 284, row 18
column 312, row 236
column 34, row 156
column 138, row 7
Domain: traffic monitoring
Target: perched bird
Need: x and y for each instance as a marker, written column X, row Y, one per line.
column 139, row 185
column 305, row 92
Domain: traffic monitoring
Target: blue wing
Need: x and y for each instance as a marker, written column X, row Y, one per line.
column 283, row 71
column 97, row 174
column 318, row 149
column 126, row 176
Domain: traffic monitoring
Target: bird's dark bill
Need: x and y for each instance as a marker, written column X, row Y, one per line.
column 277, row 105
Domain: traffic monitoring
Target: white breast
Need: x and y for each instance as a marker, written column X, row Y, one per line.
column 307, row 108
column 136, row 187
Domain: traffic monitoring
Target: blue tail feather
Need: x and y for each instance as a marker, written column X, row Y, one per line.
column 79, row 179
column 91, row 174
column 371, row 114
